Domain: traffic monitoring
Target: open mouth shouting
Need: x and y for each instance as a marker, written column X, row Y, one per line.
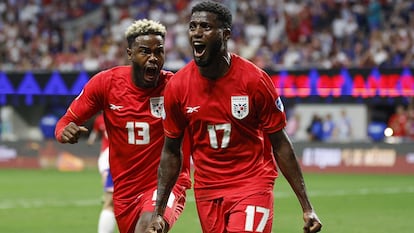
column 199, row 49
column 151, row 74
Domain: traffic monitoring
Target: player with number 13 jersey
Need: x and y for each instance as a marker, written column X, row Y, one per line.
column 131, row 99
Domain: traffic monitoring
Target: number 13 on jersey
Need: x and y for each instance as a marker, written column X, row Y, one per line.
column 138, row 133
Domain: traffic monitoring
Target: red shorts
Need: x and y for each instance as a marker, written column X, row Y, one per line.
column 128, row 213
column 237, row 213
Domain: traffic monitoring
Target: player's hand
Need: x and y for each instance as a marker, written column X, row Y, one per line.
column 157, row 225
column 72, row 132
column 312, row 222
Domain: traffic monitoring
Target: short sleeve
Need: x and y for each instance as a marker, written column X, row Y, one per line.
column 174, row 120
column 269, row 105
column 90, row 100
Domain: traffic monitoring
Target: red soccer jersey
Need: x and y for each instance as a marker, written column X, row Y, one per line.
column 99, row 126
column 134, row 126
column 227, row 119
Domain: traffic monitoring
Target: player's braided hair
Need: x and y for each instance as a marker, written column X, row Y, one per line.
column 222, row 12
column 144, row 27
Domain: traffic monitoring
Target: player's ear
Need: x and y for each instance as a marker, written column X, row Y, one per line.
column 129, row 53
column 226, row 34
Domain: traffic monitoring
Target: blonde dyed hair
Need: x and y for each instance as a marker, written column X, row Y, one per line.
column 144, row 27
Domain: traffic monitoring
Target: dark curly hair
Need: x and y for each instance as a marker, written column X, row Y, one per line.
column 222, row 12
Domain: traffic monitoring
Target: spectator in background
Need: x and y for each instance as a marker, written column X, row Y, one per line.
column 398, row 122
column 328, row 127
column 315, row 128
column 410, row 122
column 107, row 222
column 343, row 129
column 7, row 124
column 47, row 126
column 293, row 125
column 375, row 15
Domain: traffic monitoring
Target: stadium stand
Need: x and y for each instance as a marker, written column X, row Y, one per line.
column 84, row 34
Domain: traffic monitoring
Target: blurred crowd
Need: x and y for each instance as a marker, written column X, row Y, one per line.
column 327, row 129
column 274, row 34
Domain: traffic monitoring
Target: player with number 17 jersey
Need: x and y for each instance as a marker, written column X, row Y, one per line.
column 228, row 139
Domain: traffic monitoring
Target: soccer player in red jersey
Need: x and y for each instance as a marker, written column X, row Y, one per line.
column 236, row 121
column 131, row 98
column 106, row 222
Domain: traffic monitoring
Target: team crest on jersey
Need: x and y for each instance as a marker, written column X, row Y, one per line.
column 157, row 106
column 240, row 106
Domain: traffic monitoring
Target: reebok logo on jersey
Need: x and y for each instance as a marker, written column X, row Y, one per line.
column 192, row 109
column 114, row 107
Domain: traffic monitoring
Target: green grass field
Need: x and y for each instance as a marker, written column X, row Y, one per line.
column 48, row 201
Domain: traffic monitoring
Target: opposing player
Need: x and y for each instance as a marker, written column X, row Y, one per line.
column 236, row 120
column 131, row 98
column 106, row 222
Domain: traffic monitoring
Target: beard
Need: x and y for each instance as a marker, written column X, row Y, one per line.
column 211, row 54
column 137, row 68
column 141, row 78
